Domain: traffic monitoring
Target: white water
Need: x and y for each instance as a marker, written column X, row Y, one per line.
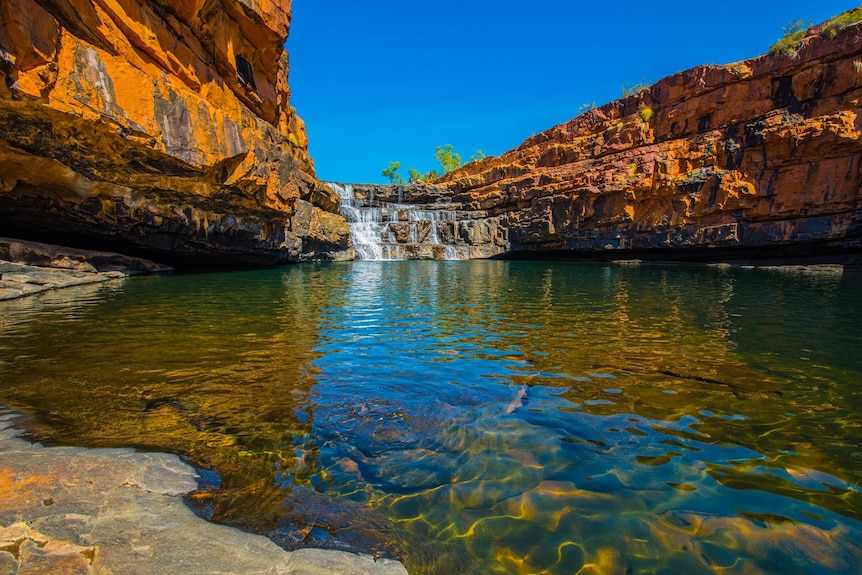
column 374, row 238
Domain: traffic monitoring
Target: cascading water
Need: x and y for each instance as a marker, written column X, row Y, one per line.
column 394, row 231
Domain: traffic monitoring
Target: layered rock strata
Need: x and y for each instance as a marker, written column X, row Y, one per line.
column 761, row 156
column 159, row 127
column 28, row 268
column 471, row 233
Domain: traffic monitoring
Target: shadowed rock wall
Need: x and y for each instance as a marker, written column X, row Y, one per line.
column 160, row 126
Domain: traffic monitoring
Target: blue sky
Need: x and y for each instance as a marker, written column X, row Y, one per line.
column 392, row 80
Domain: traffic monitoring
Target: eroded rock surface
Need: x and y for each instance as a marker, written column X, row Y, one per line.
column 761, row 154
column 159, row 127
column 78, row 511
column 27, row 268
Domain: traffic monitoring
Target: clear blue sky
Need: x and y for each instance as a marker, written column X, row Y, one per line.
column 392, row 80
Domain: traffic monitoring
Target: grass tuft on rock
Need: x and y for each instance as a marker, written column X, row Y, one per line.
column 792, row 41
column 646, row 113
column 835, row 25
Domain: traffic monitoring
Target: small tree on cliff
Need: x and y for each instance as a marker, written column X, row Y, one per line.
column 392, row 173
column 632, row 89
column 415, row 176
column 448, row 158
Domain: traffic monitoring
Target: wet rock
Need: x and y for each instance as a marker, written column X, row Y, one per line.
column 73, row 510
column 27, row 268
column 424, row 221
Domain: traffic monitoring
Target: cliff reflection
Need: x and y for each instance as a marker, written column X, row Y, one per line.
column 586, row 396
column 218, row 368
column 476, row 417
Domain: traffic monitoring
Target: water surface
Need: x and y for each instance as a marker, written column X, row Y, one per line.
column 479, row 417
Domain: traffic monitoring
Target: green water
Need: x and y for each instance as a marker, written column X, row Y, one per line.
column 479, row 417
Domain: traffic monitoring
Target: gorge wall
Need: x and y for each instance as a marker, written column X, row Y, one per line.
column 758, row 157
column 164, row 128
column 158, row 127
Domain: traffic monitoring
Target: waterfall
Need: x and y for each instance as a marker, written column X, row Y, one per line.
column 394, row 231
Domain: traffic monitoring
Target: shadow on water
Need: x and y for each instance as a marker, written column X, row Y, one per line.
column 476, row 417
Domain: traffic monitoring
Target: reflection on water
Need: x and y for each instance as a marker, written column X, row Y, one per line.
column 477, row 417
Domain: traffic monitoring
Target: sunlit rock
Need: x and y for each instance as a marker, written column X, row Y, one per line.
column 760, row 155
column 75, row 511
column 162, row 128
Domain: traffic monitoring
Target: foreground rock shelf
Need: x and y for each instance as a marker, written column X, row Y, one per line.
column 76, row 511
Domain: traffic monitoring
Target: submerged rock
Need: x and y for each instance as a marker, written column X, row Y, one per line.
column 74, row 510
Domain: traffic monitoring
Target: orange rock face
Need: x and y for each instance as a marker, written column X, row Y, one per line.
column 161, row 125
column 762, row 154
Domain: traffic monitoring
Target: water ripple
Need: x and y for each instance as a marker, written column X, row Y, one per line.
column 510, row 417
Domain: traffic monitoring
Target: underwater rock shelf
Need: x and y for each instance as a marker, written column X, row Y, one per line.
column 77, row 511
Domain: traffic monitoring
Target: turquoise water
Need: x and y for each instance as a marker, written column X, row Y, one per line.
column 479, row 417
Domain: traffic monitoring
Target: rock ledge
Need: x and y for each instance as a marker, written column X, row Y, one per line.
column 76, row 511
column 27, row 268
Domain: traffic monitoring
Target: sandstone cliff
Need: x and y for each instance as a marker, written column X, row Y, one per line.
column 161, row 127
column 761, row 157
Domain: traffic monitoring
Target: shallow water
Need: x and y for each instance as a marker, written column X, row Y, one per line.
column 479, row 417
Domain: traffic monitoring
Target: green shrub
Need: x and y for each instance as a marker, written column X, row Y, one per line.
column 791, row 42
column 835, row 25
column 391, row 172
column 446, row 155
column 448, row 158
column 645, row 112
column 293, row 139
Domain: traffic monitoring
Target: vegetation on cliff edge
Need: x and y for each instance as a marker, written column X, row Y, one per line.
column 796, row 32
column 446, row 156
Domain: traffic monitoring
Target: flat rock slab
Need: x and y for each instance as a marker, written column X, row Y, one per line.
column 28, row 268
column 73, row 510
column 19, row 280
